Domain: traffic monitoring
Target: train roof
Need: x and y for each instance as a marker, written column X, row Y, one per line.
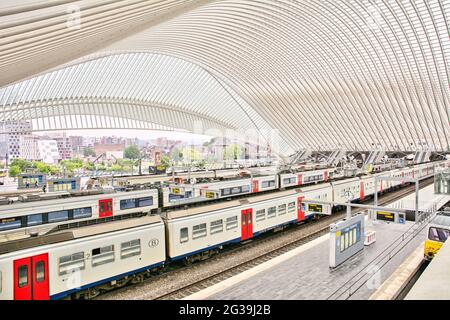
column 181, row 213
column 441, row 219
column 58, row 198
column 81, row 232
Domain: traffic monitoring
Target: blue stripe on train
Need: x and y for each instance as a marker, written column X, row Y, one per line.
column 236, row 240
column 93, row 284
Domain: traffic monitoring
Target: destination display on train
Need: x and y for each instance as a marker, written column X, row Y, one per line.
column 386, row 216
column 315, row 207
column 210, row 194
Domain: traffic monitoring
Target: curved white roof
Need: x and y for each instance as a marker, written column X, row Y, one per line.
column 354, row 74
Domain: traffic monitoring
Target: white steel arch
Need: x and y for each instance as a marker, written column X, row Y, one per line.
column 355, row 74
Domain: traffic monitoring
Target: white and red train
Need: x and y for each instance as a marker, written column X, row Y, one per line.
column 80, row 262
column 46, row 214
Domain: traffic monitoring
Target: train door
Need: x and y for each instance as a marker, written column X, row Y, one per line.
column 300, row 212
column 246, row 224
column 31, row 278
column 325, row 176
column 299, row 179
column 105, row 208
column 255, row 186
column 361, row 191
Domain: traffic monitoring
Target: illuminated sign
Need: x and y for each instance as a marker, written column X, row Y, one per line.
column 176, row 190
column 315, row 208
column 210, row 195
column 386, row 216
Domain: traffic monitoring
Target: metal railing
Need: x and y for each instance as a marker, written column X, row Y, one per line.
column 362, row 277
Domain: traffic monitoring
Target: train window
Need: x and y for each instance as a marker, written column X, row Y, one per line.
column 281, row 209
column 260, row 215
column 291, row 207
column 34, row 220
column 57, row 216
column 102, row 255
column 226, row 191
column 266, row 184
column 289, row 180
column 271, row 212
column 71, row 263
column 216, row 226
column 145, row 202
column 80, row 213
column 199, row 231
column 232, row 222
column 23, row 276
column 40, row 271
column 246, row 188
column 184, row 235
column 438, row 234
column 10, row 223
column 236, row 190
column 130, row 248
column 127, row 204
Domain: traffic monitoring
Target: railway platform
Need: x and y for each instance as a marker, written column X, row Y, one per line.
column 434, row 282
column 304, row 273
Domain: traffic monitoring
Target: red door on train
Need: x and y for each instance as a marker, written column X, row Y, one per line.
column 246, row 224
column 361, row 191
column 255, row 186
column 300, row 212
column 105, row 208
column 31, row 278
column 299, row 179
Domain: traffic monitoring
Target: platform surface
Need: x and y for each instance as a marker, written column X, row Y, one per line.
column 434, row 283
column 304, row 273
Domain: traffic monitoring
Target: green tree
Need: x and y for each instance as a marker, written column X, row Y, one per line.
column 22, row 164
column 176, row 155
column 115, row 168
column 71, row 165
column 132, row 152
column 165, row 161
column 88, row 151
column 89, row 166
column 14, row 171
column 232, row 152
column 191, row 154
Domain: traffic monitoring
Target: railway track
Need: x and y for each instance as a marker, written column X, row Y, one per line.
column 291, row 238
column 319, row 229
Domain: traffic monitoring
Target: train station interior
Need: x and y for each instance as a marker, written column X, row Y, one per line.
column 224, row 150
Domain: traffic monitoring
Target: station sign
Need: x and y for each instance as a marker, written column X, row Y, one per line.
column 318, row 208
column 385, row 216
column 346, row 239
column 396, row 217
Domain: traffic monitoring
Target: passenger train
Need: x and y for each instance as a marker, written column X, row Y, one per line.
column 82, row 262
column 80, row 208
column 438, row 232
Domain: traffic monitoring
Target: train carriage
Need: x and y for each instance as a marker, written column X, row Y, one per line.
column 346, row 190
column 305, row 177
column 195, row 233
column 49, row 213
column 71, row 262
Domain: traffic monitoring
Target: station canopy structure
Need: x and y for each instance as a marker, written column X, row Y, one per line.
column 323, row 75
